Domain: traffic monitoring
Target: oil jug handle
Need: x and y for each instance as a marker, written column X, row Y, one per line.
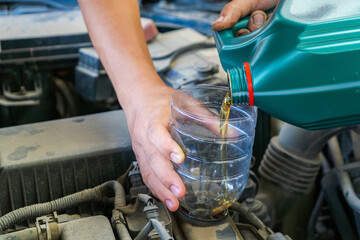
column 228, row 34
column 242, row 23
column 226, row 41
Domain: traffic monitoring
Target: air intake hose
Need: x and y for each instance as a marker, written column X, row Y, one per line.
column 292, row 159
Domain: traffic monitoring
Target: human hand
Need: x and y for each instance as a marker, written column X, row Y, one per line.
column 237, row 9
column 148, row 122
column 148, row 118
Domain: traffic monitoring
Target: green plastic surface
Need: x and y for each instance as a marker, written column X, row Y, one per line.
column 304, row 73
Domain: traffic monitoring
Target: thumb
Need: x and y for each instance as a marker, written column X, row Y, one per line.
column 257, row 19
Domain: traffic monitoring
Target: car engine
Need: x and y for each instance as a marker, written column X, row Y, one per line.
column 67, row 169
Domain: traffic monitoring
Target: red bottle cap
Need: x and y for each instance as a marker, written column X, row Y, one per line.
column 249, row 83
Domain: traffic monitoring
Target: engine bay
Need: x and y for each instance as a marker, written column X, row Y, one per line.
column 67, row 168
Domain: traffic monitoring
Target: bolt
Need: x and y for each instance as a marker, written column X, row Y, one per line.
column 22, row 90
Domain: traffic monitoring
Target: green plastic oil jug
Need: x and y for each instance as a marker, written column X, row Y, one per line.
column 302, row 66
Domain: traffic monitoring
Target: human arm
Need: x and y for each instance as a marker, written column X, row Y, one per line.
column 115, row 30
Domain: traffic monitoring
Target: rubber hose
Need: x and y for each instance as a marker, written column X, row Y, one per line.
column 153, row 224
column 120, row 227
column 98, row 193
column 248, row 215
column 130, row 209
column 164, row 235
column 122, row 232
column 314, row 215
column 144, row 231
column 123, row 177
column 69, row 98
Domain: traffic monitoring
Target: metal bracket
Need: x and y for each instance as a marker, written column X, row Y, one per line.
column 6, row 103
column 47, row 227
column 23, row 97
column 23, row 93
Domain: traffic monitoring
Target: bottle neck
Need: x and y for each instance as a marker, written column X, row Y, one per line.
column 240, row 84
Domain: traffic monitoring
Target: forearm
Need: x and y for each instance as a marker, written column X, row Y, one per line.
column 116, row 32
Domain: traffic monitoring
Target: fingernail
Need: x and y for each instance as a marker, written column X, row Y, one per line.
column 175, row 190
column 175, row 157
column 242, row 32
column 169, row 204
column 219, row 19
column 258, row 19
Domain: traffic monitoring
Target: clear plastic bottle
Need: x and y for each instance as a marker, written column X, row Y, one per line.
column 216, row 168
